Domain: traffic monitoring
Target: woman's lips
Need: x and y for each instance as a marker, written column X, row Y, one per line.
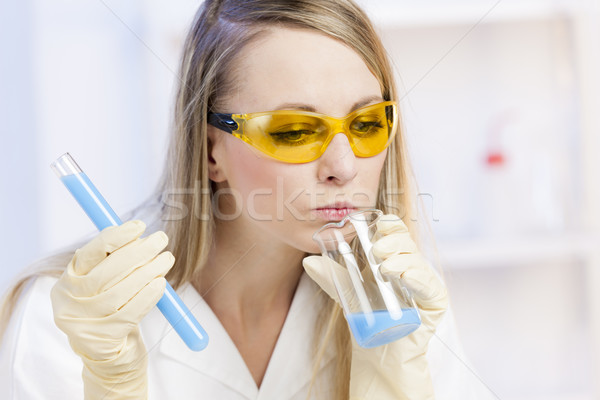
column 333, row 213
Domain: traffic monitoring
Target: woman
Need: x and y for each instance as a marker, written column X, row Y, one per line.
column 242, row 240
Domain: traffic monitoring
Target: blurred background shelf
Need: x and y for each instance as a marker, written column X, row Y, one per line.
column 516, row 251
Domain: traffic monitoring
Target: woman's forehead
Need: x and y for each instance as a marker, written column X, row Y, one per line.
column 299, row 66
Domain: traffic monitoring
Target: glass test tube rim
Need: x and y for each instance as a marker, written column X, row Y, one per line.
column 65, row 165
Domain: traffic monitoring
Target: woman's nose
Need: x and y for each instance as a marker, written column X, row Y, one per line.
column 338, row 163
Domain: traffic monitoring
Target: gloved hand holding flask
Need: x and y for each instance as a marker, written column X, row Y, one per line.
column 397, row 369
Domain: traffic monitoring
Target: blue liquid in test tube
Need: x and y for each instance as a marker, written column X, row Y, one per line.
column 102, row 215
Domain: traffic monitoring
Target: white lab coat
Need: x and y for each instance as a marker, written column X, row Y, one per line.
column 37, row 363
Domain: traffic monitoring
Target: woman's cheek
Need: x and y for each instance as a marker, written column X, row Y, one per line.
column 255, row 181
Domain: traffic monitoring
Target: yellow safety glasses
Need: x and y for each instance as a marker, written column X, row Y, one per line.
column 301, row 136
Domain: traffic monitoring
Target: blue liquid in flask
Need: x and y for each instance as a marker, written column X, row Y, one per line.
column 383, row 329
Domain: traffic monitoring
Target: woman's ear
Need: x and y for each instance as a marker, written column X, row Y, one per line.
column 215, row 170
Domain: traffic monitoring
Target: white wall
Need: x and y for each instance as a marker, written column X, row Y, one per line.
column 91, row 78
column 19, row 203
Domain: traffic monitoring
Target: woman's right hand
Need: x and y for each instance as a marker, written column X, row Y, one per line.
column 108, row 287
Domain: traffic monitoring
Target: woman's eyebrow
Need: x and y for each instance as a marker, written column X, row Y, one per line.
column 312, row 108
column 365, row 102
column 296, row 106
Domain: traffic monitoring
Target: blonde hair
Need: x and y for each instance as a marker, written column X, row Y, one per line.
column 221, row 28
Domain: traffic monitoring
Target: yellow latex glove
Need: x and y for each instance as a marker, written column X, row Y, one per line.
column 398, row 370
column 108, row 287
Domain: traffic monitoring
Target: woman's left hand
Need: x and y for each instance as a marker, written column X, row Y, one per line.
column 398, row 370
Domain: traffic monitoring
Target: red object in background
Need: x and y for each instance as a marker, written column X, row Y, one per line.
column 495, row 158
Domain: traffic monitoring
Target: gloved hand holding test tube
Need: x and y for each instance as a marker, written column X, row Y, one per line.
column 102, row 215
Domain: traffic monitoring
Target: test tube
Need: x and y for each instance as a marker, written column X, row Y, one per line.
column 102, row 215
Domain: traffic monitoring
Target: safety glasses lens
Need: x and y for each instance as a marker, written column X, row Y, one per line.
column 370, row 130
column 301, row 137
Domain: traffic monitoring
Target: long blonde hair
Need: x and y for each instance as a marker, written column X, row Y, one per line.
column 221, row 28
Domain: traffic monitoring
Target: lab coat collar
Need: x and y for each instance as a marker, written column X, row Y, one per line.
column 290, row 367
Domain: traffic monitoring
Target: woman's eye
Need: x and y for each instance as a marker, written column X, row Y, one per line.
column 292, row 133
column 366, row 126
column 291, row 136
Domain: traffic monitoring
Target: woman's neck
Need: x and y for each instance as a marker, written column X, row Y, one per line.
column 248, row 274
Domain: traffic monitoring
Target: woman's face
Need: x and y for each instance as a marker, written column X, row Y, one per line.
column 281, row 202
